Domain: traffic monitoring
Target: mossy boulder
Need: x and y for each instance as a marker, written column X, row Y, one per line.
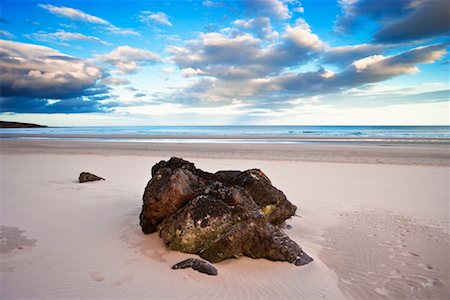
column 218, row 216
column 271, row 200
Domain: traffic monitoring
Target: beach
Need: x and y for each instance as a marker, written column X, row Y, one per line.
column 374, row 215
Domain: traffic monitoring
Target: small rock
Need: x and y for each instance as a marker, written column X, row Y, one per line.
column 196, row 264
column 86, row 177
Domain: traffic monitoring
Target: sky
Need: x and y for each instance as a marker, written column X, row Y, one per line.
column 217, row 62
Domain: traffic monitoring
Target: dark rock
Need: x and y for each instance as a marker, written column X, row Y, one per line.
column 196, row 264
column 272, row 201
column 86, row 177
column 166, row 192
column 225, row 176
column 179, row 163
column 211, row 228
column 218, row 216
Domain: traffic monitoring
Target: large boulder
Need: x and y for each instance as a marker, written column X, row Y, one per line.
column 218, row 216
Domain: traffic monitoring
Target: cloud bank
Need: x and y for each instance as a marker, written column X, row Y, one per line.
column 40, row 79
column 264, row 60
column 398, row 21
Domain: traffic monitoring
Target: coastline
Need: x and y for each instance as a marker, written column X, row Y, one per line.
column 88, row 243
column 420, row 152
column 189, row 137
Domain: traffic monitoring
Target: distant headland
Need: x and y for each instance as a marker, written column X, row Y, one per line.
column 4, row 124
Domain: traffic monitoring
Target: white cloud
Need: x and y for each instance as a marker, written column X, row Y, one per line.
column 302, row 35
column 61, row 37
column 177, row 50
column 191, row 72
column 214, row 48
column 305, row 100
column 73, row 14
column 378, row 66
column 155, row 17
column 299, row 9
column 344, row 55
column 115, row 81
column 168, row 70
column 127, row 59
column 383, row 90
column 363, row 63
column 209, row 3
column 120, row 31
column 6, row 34
column 78, row 15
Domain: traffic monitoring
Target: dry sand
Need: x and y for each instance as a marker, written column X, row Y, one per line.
column 375, row 230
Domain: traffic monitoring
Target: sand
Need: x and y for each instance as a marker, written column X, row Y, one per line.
column 375, row 219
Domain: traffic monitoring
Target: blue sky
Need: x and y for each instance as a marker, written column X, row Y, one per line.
column 266, row 62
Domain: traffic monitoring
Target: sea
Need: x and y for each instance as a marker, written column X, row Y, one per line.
column 226, row 134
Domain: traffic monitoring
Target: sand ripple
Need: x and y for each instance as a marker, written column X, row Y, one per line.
column 381, row 255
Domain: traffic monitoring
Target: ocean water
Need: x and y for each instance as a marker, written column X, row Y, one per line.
column 177, row 132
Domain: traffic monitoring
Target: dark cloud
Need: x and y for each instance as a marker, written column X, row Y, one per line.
column 357, row 13
column 284, row 86
column 430, row 19
column 37, row 71
column 139, row 95
column 398, row 21
column 66, row 106
column 38, row 79
column 361, row 72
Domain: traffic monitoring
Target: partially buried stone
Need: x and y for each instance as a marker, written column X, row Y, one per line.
column 86, row 177
column 196, row 264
